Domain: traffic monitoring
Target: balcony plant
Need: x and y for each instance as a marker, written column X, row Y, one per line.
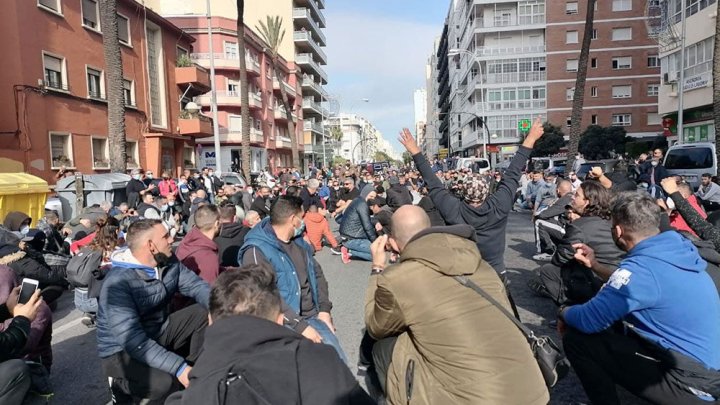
column 62, row 160
column 102, row 163
column 184, row 61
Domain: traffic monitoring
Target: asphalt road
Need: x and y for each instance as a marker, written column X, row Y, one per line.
column 78, row 378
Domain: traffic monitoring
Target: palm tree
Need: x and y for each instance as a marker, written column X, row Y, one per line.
column 273, row 34
column 244, row 94
column 114, row 82
column 579, row 94
column 716, row 88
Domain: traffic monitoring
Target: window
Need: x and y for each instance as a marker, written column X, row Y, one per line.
column 100, row 154
column 622, row 5
column 181, row 52
column 91, row 14
column 593, row 119
column 622, row 120
column 124, row 30
column 624, row 91
column 61, row 150
column 594, row 33
column 570, row 94
column 653, row 61
column 131, row 150
column 54, row 72
column 231, row 50
column 654, row 119
column 189, row 157
column 129, row 93
column 95, row 83
column 52, row 5
column 235, row 123
column 593, row 63
column 571, row 37
column 571, row 65
column 622, row 34
column 593, row 91
column 156, row 76
column 571, row 8
column 653, row 90
column 568, row 121
column 622, row 62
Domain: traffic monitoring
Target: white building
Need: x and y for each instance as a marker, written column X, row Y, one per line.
column 429, row 137
column 698, row 81
column 360, row 139
column 497, row 72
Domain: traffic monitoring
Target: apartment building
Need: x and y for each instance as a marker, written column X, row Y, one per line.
column 443, row 89
column 498, row 74
column 360, row 139
column 53, row 85
column 303, row 46
column 623, row 77
column 698, row 119
column 428, row 137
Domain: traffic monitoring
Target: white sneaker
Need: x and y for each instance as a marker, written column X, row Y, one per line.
column 543, row 257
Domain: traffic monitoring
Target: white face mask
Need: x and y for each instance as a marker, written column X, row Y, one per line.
column 654, row 163
column 171, row 203
column 164, row 207
column 25, row 229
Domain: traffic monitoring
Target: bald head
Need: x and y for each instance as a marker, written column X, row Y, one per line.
column 563, row 188
column 406, row 222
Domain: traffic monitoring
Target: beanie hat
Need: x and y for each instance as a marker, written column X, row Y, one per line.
column 476, row 189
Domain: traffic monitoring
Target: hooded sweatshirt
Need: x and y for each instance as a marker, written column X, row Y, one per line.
column 14, row 219
column 231, row 237
column 317, row 226
column 200, row 255
column 664, row 292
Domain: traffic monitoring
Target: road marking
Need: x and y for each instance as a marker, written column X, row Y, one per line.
column 66, row 327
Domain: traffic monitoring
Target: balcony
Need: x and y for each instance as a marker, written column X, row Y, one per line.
column 230, row 99
column 311, row 86
column 194, row 76
column 235, row 135
column 303, row 19
column 283, row 142
column 486, row 51
column 313, row 126
column 196, row 126
column 514, row 77
column 314, row 7
column 288, row 88
column 306, row 61
column 280, row 114
column 312, row 107
column 521, row 105
column 305, row 42
column 226, row 62
column 524, row 22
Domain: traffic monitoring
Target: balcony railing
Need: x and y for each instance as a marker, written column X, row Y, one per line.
column 302, row 13
column 514, row 77
column 510, row 50
column 307, row 59
column 518, row 21
column 309, row 82
column 513, row 105
column 230, row 97
column 223, row 60
column 313, row 126
column 235, row 135
column 306, row 36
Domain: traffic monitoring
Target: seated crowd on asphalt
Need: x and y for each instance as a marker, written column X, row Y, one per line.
column 203, row 292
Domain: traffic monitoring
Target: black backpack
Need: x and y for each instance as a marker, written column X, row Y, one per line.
column 80, row 268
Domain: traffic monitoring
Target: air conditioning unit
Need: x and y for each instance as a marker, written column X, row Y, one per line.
column 670, row 77
column 673, row 94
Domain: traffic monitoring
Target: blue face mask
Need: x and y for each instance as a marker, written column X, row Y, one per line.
column 299, row 230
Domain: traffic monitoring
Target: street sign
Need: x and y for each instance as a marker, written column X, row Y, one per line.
column 442, row 153
column 524, row 125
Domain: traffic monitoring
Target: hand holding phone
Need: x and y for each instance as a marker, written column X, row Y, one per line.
column 28, row 299
column 27, row 289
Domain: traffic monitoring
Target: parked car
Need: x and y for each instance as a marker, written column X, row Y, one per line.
column 234, row 179
column 548, row 164
column 691, row 160
column 607, row 166
column 477, row 165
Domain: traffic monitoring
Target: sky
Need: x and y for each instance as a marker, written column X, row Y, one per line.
column 377, row 50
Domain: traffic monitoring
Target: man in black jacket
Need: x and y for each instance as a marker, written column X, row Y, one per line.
column 550, row 222
column 397, row 195
column 136, row 188
column 14, row 373
column 264, row 362
column 261, row 203
column 487, row 215
column 231, row 236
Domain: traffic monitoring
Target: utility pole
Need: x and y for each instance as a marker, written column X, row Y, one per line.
column 213, row 94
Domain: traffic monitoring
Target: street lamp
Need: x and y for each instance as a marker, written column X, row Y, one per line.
column 483, row 121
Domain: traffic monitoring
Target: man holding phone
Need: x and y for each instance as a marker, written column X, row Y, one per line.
column 14, row 373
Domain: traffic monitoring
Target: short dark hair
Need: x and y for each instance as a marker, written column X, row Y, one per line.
column 285, row 207
column 138, row 230
column 636, row 212
column 708, row 175
column 248, row 290
column 293, row 191
column 206, row 216
column 227, row 211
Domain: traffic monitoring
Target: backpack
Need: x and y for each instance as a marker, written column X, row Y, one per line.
column 80, row 268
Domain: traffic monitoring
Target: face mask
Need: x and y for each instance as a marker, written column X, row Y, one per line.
column 197, row 176
column 654, row 163
column 136, row 176
column 25, row 229
column 171, row 203
column 164, row 207
column 299, row 231
column 182, row 182
column 161, row 259
column 670, row 203
column 210, row 173
column 149, row 176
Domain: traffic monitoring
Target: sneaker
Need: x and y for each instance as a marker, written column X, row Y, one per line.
column 118, row 394
column 336, row 250
column 345, row 255
column 88, row 320
column 543, row 257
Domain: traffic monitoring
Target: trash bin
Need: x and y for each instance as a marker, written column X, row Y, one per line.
column 97, row 188
column 23, row 192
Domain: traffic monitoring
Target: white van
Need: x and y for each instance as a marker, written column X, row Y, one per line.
column 691, row 160
column 477, row 165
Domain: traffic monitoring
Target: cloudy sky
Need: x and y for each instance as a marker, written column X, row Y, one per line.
column 377, row 49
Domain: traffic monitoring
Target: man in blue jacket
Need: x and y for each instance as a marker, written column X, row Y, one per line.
column 667, row 348
column 145, row 350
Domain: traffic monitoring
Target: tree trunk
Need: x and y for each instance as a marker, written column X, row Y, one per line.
column 716, row 88
column 579, row 94
column 114, row 86
column 244, row 91
column 288, row 113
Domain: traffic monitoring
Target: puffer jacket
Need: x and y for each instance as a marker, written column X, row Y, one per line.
column 356, row 223
column 134, row 305
column 25, row 265
column 463, row 349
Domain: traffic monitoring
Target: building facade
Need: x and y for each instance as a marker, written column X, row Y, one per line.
column 623, row 76
column 698, row 119
column 360, row 139
column 54, row 82
column 429, row 136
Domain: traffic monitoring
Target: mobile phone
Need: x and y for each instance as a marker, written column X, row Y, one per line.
column 27, row 290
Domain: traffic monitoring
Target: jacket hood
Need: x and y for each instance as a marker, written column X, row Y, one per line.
column 262, row 232
column 10, row 254
column 195, row 240
column 14, row 219
column 123, row 258
column 314, row 217
column 434, row 246
column 672, row 248
column 230, row 230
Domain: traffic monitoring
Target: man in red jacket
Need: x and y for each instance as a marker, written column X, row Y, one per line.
column 197, row 250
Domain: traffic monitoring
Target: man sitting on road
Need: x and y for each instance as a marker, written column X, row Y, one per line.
column 546, row 194
column 197, row 250
column 708, row 193
column 277, row 242
column 669, row 349
column 310, row 195
column 439, row 341
column 231, row 236
column 550, row 223
column 278, row 365
column 397, row 195
column 356, row 228
column 145, row 351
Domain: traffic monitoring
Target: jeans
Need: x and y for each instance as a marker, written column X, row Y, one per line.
column 14, row 381
column 359, row 249
column 328, row 336
column 84, row 303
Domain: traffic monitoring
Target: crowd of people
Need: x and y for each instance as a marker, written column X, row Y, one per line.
column 205, row 292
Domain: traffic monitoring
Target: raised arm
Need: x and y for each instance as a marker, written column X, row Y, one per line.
column 698, row 224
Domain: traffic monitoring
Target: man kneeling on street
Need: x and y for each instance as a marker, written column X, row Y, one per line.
column 667, row 348
column 146, row 352
column 255, row 359
column 440, row 342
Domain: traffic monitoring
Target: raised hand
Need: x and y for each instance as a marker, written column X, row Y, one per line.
column 536, row 132
column 669, row 185
column 408, row 141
